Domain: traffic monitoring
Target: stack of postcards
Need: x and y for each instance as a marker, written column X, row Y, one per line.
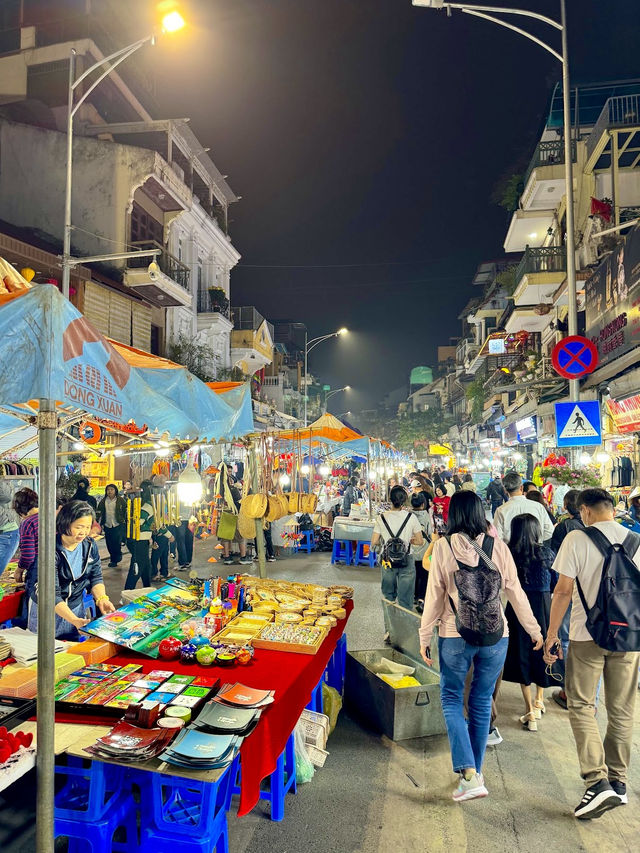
column 126, row 742
column 200, row 750
column 225, row 719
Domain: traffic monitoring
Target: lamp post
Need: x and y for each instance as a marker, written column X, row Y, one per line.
column 172, row 22
column 308, row 346
column 563, row 58
column 331, row 393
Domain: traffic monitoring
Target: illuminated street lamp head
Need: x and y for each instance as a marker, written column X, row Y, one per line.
column 172, row 22
column 343, row 331
column 347, row 387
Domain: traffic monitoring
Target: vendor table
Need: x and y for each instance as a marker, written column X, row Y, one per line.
column 10, row 606
column 352, row 529
column 292, row 676
column 325, row 505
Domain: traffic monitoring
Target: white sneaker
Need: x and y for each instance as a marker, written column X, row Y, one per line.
column 494, row 737
column 470, row 789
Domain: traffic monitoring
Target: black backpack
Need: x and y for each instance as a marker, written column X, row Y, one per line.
column 479, row 619
column 614, row 619
column 395, row 552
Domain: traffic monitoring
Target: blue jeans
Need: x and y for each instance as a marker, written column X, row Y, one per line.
column 468, row 742
column 9, row 542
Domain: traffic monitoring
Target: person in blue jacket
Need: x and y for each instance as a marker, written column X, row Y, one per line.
column 78, row 569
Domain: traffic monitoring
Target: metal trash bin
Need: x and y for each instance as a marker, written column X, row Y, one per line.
column 399, row 713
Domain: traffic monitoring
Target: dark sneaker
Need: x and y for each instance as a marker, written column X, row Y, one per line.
column 621, row 790
column 560, row 698
column 597, row 800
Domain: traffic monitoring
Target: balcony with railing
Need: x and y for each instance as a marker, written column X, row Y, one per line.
column 165, row 287
column 214, row 301
column 544, row 180
column 538, row 275
column 621, row 113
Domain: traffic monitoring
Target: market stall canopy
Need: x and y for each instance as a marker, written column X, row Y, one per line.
column 50, row 351
column 326, row 427
column 223, row 413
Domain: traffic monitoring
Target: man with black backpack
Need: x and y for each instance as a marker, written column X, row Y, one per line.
column 604, row 640
column 397, row 529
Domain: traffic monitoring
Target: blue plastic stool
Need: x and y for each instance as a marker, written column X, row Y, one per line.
column 93, row 803
column 281, row 781
column 306, row 543
column 88, row 791
column 97, row 836
column 89, row 603
column 186, row 815
column 334, row 673
column 315, row 703
column 362, row 559
column 342, row 552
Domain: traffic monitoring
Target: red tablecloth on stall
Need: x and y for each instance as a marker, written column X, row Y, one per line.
column 10, row 606
column 292, row 676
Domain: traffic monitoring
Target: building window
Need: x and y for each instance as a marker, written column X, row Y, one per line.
column 200, row 274
column 144, row 227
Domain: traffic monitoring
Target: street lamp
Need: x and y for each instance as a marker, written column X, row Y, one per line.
column 308, row 346
column 171, row 23
column 563, row 58
column 331, row 393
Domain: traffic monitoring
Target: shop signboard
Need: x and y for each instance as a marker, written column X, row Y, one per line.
column 625, row 413
column 578, row 424
column 612, row 301
column 527, row 429
column 510, row 435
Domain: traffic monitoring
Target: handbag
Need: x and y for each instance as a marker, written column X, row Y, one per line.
column 308, row 503
column 274, row 508
column 227, row 525
column 294, row 502
column 254, row 506
column 246, row 526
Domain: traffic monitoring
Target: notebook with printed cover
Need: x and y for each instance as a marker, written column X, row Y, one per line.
column 224, row 718
column 197, row 747
column 247, row 697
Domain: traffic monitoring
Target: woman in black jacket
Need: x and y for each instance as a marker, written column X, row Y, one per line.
column 82, row 493
column 111, row 515
column 77, row 570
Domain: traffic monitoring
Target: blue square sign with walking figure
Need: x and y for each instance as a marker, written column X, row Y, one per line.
column 578, row 424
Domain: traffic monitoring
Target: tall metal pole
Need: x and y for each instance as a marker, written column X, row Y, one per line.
column 572, row 298
column 66, row 247
column 255, row 485
column 306, row 360
column 47, row 425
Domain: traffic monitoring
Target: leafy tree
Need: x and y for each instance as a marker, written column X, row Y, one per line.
column 475, row 393
column 199, row 359
column 417, row 427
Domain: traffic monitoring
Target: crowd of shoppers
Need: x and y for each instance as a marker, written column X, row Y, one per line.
column 550, row 578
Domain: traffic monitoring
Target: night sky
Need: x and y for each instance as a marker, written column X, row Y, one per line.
column 365, row 138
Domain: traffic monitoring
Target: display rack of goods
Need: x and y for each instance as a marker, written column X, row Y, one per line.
column 301, row 639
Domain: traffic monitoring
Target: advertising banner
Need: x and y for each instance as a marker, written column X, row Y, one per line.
column 612, row 301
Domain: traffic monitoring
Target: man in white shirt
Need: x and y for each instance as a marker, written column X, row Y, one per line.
column 602, row 766
column 519, row 505
column 398, row 582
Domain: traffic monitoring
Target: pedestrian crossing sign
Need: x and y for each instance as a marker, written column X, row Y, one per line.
column 578, row 424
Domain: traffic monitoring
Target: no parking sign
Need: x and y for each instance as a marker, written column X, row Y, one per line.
column 574, row 357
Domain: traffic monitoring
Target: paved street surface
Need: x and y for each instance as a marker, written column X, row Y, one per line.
column 374, row 795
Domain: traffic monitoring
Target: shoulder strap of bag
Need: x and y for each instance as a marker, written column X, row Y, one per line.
column 484, row 556
column 404, row 524
column 631, row 544
column 384, row 521
column 599, row 540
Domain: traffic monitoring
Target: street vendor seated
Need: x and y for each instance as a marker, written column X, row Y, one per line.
column 77, row 565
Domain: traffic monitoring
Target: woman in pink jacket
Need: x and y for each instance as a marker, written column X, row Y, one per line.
column 468, row 741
